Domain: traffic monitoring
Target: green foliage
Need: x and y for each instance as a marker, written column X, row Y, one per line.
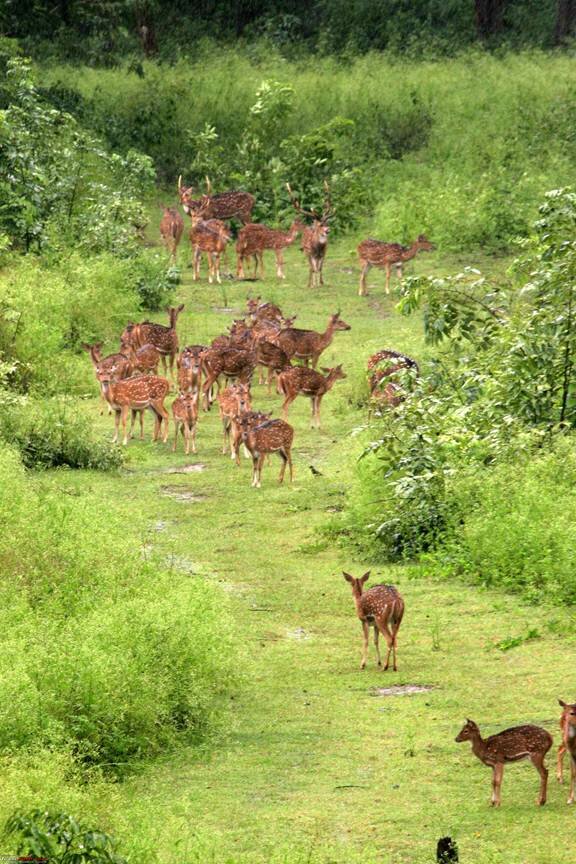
column 61, row 838
column 58, row 183
column 124, row 657
column 56, row 434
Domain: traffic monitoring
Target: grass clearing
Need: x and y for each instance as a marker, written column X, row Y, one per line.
column 315, row 768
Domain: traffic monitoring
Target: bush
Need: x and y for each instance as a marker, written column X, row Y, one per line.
column 154, row 282
column 55, row 434
column 124, row 658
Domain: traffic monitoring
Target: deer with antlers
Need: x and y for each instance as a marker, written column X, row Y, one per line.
column 164, row 339
column 511, row 745
column 171, row 228
column 568, row 745
column 315, row 237
column 376, row 253
column 185, row 414
column 308, row 345
column 302, row 381
column 223, row 205
column 254, row 239
column 271, row 436
column 380, row 607
column 136, row 394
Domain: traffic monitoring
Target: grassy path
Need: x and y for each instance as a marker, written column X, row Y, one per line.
column 317, row 768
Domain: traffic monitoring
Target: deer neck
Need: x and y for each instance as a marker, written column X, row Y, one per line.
column 411, row 252
column 478, row 745
column 330, row 380
column 326, row 337
column 358, row 603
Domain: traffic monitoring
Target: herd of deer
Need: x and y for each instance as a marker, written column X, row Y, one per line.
column 264, row 339
column 210, row 235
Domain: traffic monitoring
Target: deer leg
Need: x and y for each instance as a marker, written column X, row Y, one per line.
column 176, row 430
column 226, row 432
column 290, row 468
column 117, row 413
column 363, row 274
column 572, row 779
column 497, row 774
column 318, row 401
column 314, row 407
column 399, row 271
column 164, row 416
column 282, row 454
column 537, row 760
column 382, row 624
column 287, row 402
column 377, row 646
column 125, row 410
column 321, row 277
column 141, row 425
column 366, row 633
column 187, row 437
column 388, row 278
column 261, row 258
column 217, row 267
column 279, row 265
column 560, row 763
column 311, row 283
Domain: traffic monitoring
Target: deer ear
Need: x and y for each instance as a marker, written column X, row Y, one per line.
column 325, row 369
column 563, row 704
column 365, row 577
column 347, row 576
column 181, row 307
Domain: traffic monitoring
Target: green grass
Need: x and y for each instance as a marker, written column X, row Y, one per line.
column 314, row 767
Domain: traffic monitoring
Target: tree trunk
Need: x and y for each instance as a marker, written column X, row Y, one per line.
column 565, row 20
column 489, row 17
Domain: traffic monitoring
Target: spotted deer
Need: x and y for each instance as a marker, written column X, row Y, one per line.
column 308, row 345
column 235, row 363
column 185, row 414
column 302, row 381
column 273, row 358
column 136, row 394
column 271, row 436
column 189, row 365
column 568, row 745
column 223, row 205
column 511, row 745
column 391, row 392
column 117, row 364
column 211, row 237
column 380, row 607
column 257, row 310
column 254, row 239
column 315, row 237
column 171, row 228
column 251, row 418
column 376, row 253
column 234, row 400
column 144, row 360
column 164, row 339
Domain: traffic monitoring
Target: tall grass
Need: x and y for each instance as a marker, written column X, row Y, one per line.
column 462, row 148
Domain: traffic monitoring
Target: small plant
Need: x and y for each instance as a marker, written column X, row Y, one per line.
column 515, row 641
column 61, row 839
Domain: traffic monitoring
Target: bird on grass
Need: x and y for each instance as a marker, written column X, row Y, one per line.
column 315, row 471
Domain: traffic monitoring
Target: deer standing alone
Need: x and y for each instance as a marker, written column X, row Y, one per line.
column 300, row 380
column 253, row 239
column 381, row 607
column 376, row 253
column 164, row 339
column 315, row 237
column 271, row 436
column 171, row 228
column 568, row 729
column 223, row 205
column 309, row 344
column 511, row 745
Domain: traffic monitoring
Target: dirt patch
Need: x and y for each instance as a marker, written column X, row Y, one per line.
column 401, row 690
column 185, row 494
column 298, row 633
column 227, row 310
column 194, row 468
column 378, row 308
column 159, row 526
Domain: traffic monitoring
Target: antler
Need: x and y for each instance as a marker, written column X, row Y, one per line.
column 328, row 211
column 297, row 207
column 208, row 186
column 180, row 183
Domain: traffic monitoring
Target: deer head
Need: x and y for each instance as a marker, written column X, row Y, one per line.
column 338, row 323
column 569, row 712
column 468, row 732
column 424, row 244
column 336, row 373
column 357, row 584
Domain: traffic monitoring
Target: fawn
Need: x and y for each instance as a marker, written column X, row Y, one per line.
column 511, row 745
column 257, row 310
column 189, row 366
column 253, row 239
column 171, row 228
column 568, row 728
column 144, row 360
column 309, row 344
column 381, row 607
column 376, row 253
column 164, row 339
column 185, row 414
column 232, row 401
column 315, row 237
column 136, row 394
column 252, row 418
column 300, row 380
column 271, row 436
column 210, row 236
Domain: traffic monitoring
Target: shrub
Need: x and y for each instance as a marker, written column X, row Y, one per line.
column 55, row 434
column 61, row 838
